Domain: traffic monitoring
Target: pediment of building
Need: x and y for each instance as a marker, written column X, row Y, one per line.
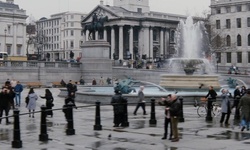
column 100, row 11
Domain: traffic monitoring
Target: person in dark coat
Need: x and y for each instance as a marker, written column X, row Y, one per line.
column 5, row 98
column 49, row 101
column 212, row 93
column 243, row 90
column 244, row 106
column 175, row 110
column 166, row 103
column 94, row 82
column 237, row 96
column 118, row 107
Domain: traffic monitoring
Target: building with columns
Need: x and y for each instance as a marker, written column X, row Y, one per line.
column 134, row 30
column 13, row 29
column 59, row 34
column 231, row 20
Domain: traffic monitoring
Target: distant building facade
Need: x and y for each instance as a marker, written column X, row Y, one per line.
column 59, row 35
column 231, row 20
column 13, row 29
column 134, row 31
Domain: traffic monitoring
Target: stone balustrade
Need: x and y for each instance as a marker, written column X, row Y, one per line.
column 36, row 64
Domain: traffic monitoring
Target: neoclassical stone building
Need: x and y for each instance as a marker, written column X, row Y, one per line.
column 134, row 30
column 231, row 19
column 13, row 29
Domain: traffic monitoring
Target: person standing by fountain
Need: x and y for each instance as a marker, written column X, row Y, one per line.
column 141, row 102
column 244, row 105
column 175, row 110
column 166, row 103
column 118, row 102
column 212, row 93
column 225, row 106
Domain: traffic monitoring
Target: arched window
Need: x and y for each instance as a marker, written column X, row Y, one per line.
column 248, row 39
column 238, row 40
column 228, row 40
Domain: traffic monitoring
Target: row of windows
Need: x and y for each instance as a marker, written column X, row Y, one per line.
column 228, row 23
column 239, row 40
column 229, row 57
column 230, row 9
column 48, row 23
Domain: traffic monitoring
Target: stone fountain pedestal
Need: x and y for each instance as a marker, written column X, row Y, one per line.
column 190, row 82
column 96, row 62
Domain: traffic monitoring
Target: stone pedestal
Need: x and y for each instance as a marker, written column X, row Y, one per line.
column 95, row 60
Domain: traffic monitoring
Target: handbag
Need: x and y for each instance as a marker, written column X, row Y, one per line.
column 27, row 99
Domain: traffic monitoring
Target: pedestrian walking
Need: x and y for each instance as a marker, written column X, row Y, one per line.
column 141, row 101
column 175, row 110
column 18, row 89
column 118, row 102
column 32, row 102
column 167, row 121
column 244, row 106
column 5, row 99
column 225, row 106
column 49, row 102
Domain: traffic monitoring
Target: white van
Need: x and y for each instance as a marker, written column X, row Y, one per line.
column 3, row 55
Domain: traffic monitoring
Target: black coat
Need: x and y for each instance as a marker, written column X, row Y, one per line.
column 212, row 93
column 175, row 108
column 118, row 102
column 5, row 99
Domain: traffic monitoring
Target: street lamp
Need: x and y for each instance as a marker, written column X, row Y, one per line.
column 5, row 30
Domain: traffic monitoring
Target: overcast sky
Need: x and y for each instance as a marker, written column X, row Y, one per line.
column 44, row 8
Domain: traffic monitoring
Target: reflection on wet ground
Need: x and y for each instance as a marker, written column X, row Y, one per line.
column 138, row 124
column 171, row 148
column 226, row 135
column 5, row 134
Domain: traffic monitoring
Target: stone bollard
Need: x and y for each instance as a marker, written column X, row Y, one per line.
column 43, row 127
column 237, row 111
column 209, row 109
column 152, row 121
column 16, row 143
column 125, row 122
column 70, row 126
column 181, row 118
column 97, row 125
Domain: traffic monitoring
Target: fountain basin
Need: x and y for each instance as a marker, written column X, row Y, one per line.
column 177, row 81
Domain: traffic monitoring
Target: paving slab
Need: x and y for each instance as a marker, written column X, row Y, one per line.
column 195, row 133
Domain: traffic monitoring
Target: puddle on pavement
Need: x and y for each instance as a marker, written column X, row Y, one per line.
column 226, row 135
column 138, row 124
column 171, row 148
column 5, row 134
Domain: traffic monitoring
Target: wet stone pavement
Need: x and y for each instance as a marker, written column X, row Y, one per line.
column 195, row 133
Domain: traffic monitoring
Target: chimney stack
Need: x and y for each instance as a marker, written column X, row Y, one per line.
column 101, row 2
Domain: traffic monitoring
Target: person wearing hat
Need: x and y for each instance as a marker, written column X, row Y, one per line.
column 118, row 102
column 244, row 106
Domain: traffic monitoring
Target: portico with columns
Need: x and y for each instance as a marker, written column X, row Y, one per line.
column 139, row 35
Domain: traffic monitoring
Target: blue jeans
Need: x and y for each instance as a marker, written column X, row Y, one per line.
column 244, row 123
column 18, row 99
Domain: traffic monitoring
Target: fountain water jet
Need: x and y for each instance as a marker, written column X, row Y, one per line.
column 191, row 57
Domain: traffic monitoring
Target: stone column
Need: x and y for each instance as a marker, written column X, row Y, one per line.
column 244, row 58
column 105, row 34
column 161, row 42
column 146, row 41
column 131, row 42
column 14, row 50
column 151, row 43
column 233, row 58
column 121, row 42
column 112, row 41
column 87, row 35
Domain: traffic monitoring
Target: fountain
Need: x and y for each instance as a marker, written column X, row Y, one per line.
column 190, row 66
